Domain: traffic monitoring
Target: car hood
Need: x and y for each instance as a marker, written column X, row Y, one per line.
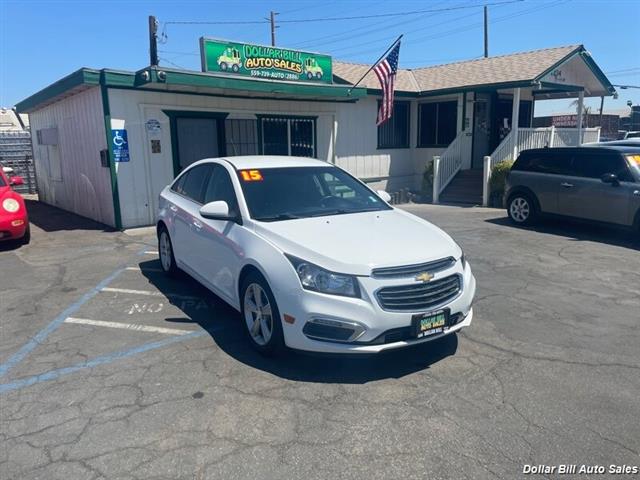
column 355, row 243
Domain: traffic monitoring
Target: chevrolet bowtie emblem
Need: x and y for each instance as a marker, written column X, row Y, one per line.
column 424, row 277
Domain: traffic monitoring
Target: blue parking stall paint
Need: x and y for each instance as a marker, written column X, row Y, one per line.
column 95, row 362
column 28, row 347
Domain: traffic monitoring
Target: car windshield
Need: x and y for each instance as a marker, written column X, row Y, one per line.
column 274, row 194
column 634, row 162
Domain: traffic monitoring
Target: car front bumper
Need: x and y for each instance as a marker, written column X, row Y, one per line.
column 303, row 306
column 11, row 228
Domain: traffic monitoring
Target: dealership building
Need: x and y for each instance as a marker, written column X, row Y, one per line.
column 106, row 142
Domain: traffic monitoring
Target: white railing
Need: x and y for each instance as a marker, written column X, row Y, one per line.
column 446, row 166
column 529, row 138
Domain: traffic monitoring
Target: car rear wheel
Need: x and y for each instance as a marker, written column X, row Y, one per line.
column 165, row 251
column 521, row 209
column 261, row 316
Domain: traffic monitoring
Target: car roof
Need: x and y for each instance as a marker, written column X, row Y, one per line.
column 269, row 161
column 584, row 149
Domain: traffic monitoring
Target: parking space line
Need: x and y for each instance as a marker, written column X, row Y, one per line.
column 55, row 323
column 101, row 360
column 150, row 293
column 151, row 252
column 127, row 326
column 145, row 269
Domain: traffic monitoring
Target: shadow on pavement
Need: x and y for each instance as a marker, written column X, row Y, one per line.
column 52, row 219
column 224, row 326
column 578, row 230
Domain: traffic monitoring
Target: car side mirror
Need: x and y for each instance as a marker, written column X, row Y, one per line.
column 218, row 210
column 16, row 181
column 384, row 195
column 611, row 178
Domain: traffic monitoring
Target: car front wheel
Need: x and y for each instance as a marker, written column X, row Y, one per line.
column 261, row 315
column 521, row 209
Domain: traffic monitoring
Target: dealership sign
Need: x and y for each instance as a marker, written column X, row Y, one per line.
column 259, row 61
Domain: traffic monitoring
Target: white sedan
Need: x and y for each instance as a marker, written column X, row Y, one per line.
column 312, row 258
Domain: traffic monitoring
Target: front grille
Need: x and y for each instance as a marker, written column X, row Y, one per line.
column 413, row 270
column 420, row 296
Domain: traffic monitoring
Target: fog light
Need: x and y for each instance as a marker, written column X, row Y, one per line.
column 333, row 330
column 17, row 223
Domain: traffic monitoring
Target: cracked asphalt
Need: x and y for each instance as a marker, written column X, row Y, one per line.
column 548, row 373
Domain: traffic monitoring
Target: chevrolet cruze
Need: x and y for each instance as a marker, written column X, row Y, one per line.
column 311, row 257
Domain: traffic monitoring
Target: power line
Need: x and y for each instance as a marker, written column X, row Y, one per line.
column 394, row 14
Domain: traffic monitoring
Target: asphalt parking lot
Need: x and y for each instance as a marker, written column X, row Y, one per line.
column 110, row 370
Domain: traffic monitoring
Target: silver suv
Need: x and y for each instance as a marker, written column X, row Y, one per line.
column 600, row 183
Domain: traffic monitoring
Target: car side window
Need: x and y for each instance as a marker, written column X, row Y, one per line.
column 194, row 182
column 551, row 163
column 595, row 165
column 220, row 187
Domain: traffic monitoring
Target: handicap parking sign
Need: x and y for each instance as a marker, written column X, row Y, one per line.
column 120, row 145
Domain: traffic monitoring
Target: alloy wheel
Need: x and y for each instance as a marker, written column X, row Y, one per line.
column 519, row 209
column 165, row 251
column 257, row 314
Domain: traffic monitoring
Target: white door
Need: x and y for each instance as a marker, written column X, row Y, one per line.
column 217, row 252
column 187, row 199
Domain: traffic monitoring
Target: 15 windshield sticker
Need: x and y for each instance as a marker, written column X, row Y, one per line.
column 251, row 175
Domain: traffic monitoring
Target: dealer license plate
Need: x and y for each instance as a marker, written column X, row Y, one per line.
column 426, row 324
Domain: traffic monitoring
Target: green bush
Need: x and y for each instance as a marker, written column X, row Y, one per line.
column 427, row 178
column 499, row 174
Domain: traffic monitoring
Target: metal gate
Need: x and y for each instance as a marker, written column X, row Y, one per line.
column 16, row 153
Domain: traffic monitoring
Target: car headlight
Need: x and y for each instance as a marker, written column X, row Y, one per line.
column 11, row 205
column 313, row 277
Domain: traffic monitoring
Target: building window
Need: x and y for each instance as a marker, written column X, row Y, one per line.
column 394, row 133
column 241, row 136
column 437, row 123
column 294, row 136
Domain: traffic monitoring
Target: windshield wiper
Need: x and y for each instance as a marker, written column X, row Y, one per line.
column 280, row 216
column 333, row 211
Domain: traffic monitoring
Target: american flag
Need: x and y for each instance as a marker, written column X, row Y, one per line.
column 386, row 73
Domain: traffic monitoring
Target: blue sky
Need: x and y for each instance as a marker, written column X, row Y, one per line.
column 42, row 41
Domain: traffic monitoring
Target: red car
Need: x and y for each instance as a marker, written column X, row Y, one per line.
column 14, row 221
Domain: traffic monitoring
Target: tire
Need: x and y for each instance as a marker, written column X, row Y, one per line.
column 224, row 66
column 521, row 209
column 26, row 238
column 318, row 75
column 235, row 68
column 165, row 252
column 310, row 75
column 264, row 331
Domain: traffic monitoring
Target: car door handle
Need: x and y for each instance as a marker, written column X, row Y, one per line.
column 197, row 224
column 173, row 208
column 566, row 184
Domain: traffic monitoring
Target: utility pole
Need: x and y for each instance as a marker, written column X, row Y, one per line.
column 273, row 28
column 486, row 31
column 153, row 41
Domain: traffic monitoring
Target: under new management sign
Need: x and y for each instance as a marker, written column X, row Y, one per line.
column 264, row 62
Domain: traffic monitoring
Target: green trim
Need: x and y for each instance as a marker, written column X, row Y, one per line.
column 208, row 80
column 83, row 76
column 464, row 111
column 557, row 87
column 117, row 215
column 173, row 129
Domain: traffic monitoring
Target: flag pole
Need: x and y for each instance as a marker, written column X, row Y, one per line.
column 374, row 64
